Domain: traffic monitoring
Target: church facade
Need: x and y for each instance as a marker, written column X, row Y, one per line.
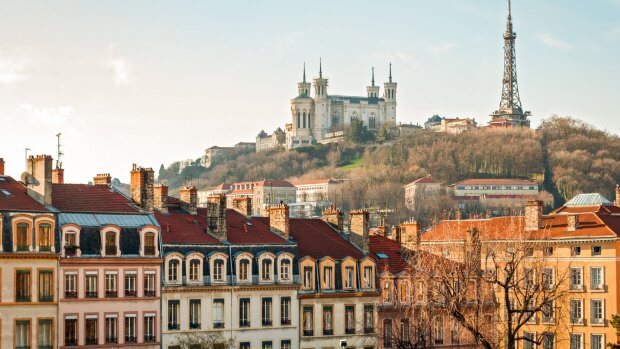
column 324, row 116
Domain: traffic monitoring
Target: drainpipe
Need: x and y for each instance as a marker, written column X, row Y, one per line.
column 230, row 264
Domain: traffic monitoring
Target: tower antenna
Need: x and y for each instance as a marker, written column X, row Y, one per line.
column 59, row 152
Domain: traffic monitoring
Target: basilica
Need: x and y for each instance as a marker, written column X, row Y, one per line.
column 323, row 117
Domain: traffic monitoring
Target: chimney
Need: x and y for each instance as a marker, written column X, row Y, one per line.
column 533, row 215
column 102, row 179
column 617, row 188
column 189, row 198
column 58, row 176
column 409, row 232
column 40, row 167
column 335, row 217
column 359, row 229
column 1, row 167
column 279, row 219
column 142, row 180
column 395, row 234
column 572, row 222
column 216, row 217
column 160, row 197
column 243, row 205
column 382, row 231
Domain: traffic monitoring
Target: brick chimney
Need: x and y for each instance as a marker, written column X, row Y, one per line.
column 216, row 217
column 1, row 167
column 618, row 195
column 533, row 215
column 409, row 232
column 160, row 197
column 243, row 205
column 358, row 227
column 395, row 233
column 335, row 217
column 572, row 222
column 58, row 176
column 40, row 167
column 142, row 180
column 279, row 219
column 189, row 198
column 102, row 179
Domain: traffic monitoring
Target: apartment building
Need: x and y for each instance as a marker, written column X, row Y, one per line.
column 263, row 193
column 315, row 195
column 420, row 189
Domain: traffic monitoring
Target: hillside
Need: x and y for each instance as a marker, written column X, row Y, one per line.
column 566, row 155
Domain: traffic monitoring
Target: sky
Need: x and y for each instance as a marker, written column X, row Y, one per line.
column 152, row 82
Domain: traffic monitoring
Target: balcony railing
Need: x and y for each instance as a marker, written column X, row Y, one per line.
column 349, row 331
column 149, row 250
column 46, row 248
column 111, row 294
column 91, row 340
column 46, row 298
column 576, row 321
column 69, row 342
column 597, row 287
column 244, row 323
column 597, row 321
column 576, row 287
column 25, row 298
column 149, row 338
column 173, row 326
column 328, row 332
column 308, row 333
column 91, row 294
column 218, row 324
column 267, row 322
column 130, row 339
column 110, row 250
column 149, row 293
column 70, row 294
column 111, row 340
column 285, row 322
column 23, row 248
column 22, row 347
column 71, row 250
column 368, row 330
column 130, row 293
column 207, row 280
column 194, row 325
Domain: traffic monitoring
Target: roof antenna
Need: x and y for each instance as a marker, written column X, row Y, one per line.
column 60, row 153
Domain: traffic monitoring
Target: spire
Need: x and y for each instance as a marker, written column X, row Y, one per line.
column 509, row 20
column 320, row 68
column 373, row 76
column 390, row 72
column 304, row 72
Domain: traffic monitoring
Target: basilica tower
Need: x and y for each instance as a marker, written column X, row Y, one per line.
column 389, row 93
column 373, row 91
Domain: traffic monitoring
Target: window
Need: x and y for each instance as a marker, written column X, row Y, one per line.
column 369, row 320
column 266, row 306
column 576, row 279
column 244, row 312
column 91, row 330
column 244, row 269
column 548, row 251
column 387, row 333
column 149, row 328
column 267, row 345
column 596, row 278
column 70, row 331
column 285, row 344
column 46, row 286
column 308, row 319
column 218, row 313
column 548, row 341
column 244, row 345
column 349, row 319
column 372, row 122
column 130, row 284
column 308, row 278
column 45, row 237
column 285, row 311
column 22, row 334
column 71, row 246
column 576, row 311
column 368, row 277
column 91, row 285
column 110, row 285
column 149, row 244
column 194, row 270
column 455, row 333
column 173, row 270
column 547, row 278
column 110, row 243
column 576, row 251
column 529, row 339
column 403, row 292
column 149, row 284
column 598, row 313
column 597, row 250
column 348, row 277
column 547, row 312
column 111, row 329
column 130, row 328
column 328, row 321
column 438, row 330
column 44, row 336
column 22, row 237
column 327, row 278
column 597, row 341
column 70, row 285
column 22, row 286
column 266, row 266
column 194, row 314
column 576, row 340
column 173, row 315
column 386, row 292
column 285, row 269
column 404, row 330
column 218, row 270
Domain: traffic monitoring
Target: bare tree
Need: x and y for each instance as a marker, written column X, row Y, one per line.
column 195, row 340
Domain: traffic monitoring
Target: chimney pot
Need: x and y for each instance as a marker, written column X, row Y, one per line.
column 1, row 167
column 58, row 176
column 243, row 205
column 102, row 179
column 335, row 217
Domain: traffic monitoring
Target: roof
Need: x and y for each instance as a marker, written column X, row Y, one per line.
column 274, row 183
column 90, row 198
column 591, row 199
column 395, row 262
column 14, row 197
column 312, row 181
column 96, row 219
column 495, row 181
column 424, row 180
column 355, row 99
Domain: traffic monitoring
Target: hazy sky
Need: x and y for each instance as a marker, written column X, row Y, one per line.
column 151, row 82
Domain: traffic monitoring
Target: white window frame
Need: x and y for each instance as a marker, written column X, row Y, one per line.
column 142, row 232
column 117, row 235
column 223, row 273
column 601, row 285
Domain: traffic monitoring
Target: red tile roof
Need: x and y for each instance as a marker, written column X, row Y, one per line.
column 90, row 198
column 396, row 262
column 312, row 181
column 317, row 239
column 424, row 180
column 274, row 183
column 494, row 181
column 18, row 198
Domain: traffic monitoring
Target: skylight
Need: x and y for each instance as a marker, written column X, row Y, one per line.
column 382, row 255
column 6, row 193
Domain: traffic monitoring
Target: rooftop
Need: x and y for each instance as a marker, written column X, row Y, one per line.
column 14, row 197
column 90, row 198
column 591, row 199
column 495, row 181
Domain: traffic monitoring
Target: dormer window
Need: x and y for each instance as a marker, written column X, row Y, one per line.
column 173, row 270
column 285, row 269
column 111, row 249
column 348, row 277
column 22, row 237
column 194, row 270
column 308, row 284
column 368, row 277
column 266, row 269
column 244, row 269
column 327, row 277
column 44, row 237
column 149, row 244
column 218, row 270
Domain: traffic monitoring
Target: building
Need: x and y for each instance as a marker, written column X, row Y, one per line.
column 28, row 258
column 338, row 287
column 314, row 117
column 276, row 140
column 217, row 155
column 314, row 195
column 421, row 186
column 227, row 273
column 437, row 123
column 109, row 272
column 263, row 193
column 405, row 130
column 579, row 240
column 510, row 112
column 495, row 194
column 203, row 195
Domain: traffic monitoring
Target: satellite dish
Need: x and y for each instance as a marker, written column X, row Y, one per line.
column 29, row 179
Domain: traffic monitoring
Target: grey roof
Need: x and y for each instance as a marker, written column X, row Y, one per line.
column 591, row 199
column 95, row 219
column 355, row 99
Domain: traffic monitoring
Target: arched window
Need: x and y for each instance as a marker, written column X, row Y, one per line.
column 22, row 237
column 387, row 333
column 266, row 269
column 372, row 121
column 149, row 244
column 218, row 270
column 194, row 270
column 285, row 269
column 244, row 269
column 304, row 119
column 45, row 237
column 387, row 292
column 173, row 270
column 110, row 243
column 298, row 119
column 403, row 292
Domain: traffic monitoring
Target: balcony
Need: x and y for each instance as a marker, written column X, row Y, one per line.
column 285, row 322
column 149, row 338
column 111, row 340
column 218, row 324
column 131, row 293
column 194, row 325
column 173, row 326
column 23, row 248
column 149, row 250
column 308, row 333
column 91, row 340
column 70, row 294
column 110, row 250
column 267, row 322
column 70, row 342
column 111, row 294
column 149, row 293
column 25, row 298
column 91, row 294
column 349, row 331
column 244, row 323
column 328, row 332
column 369, row 330
column 576, row 287
column 130, row 339
column 46, row 298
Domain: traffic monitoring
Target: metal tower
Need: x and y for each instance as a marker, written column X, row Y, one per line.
column 510, row 112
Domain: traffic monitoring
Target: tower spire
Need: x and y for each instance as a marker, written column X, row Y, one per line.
column 390, row 71
column 320, row 68
column 373, row 76
column 304, row 72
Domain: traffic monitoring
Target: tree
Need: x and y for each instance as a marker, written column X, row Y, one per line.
column 197, row 340
column 358, row 132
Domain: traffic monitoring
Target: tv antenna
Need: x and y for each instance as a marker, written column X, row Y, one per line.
column 60, row 153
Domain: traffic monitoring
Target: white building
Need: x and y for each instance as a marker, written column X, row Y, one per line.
column 315, row 193
column 315, row 117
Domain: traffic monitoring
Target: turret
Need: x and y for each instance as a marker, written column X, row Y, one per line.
column 303, row 87
column 389, row 93
column 373, row 91
column 320, row 84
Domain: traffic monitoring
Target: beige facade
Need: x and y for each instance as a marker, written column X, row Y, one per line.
column 418, row 188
